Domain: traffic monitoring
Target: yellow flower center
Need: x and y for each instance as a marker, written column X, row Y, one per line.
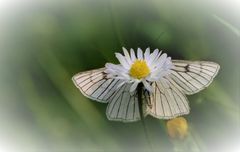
column 139, row 69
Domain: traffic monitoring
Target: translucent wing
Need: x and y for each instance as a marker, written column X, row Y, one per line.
column 187, row 77
column 95, row 85
column 167, row 101
column 192, row 76
column 124, row 105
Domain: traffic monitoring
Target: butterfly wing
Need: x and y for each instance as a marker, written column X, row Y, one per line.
column 123, row 105
column 167, row 101
column 187, row 77
column 192, row 76
column 95, row 85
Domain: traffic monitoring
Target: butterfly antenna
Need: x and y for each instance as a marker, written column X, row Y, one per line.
column 140, row 106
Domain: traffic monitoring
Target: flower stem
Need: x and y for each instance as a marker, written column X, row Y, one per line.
column 140, row 101
column 140, row 106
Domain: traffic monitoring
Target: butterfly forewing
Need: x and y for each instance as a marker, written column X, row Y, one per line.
column 95, row 85
column 192, row 76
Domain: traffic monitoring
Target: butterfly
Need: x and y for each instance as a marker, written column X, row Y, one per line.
column 166, row 97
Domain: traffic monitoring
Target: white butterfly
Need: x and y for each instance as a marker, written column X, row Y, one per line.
column 165, row 85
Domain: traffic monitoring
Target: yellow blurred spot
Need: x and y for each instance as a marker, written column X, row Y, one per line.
column 177, row 128
column 139, row 69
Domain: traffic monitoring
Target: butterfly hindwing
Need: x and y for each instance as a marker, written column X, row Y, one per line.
column 123, row 105
column 167, row 101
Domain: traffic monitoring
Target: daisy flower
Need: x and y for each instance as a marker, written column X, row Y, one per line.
column 145, row 67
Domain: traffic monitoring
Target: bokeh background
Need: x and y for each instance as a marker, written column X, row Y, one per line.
column 44, row 43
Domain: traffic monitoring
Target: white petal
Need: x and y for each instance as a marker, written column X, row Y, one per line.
column 161, row 60
column 153, row 56
column 139, row 54
column 133, row 56
column 107, row 65
column 122, row 60
column 115, row 67
column 127, row 56
column 111, row 66
column 166, row 72
column 155, row 61
column 168, row 64
column 147, row 54
column 124, row 75
column 134, row 86
column 151, row 77
column 156, row 75
column 110, row 71
column 147, row 86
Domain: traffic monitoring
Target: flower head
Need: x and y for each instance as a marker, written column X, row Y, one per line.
column 144, row 67
column 177, row 128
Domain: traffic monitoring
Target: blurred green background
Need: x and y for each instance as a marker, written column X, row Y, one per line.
column 44, row 43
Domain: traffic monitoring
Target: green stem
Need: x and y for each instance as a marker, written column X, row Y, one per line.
column 140, row 101
column 140, row 106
